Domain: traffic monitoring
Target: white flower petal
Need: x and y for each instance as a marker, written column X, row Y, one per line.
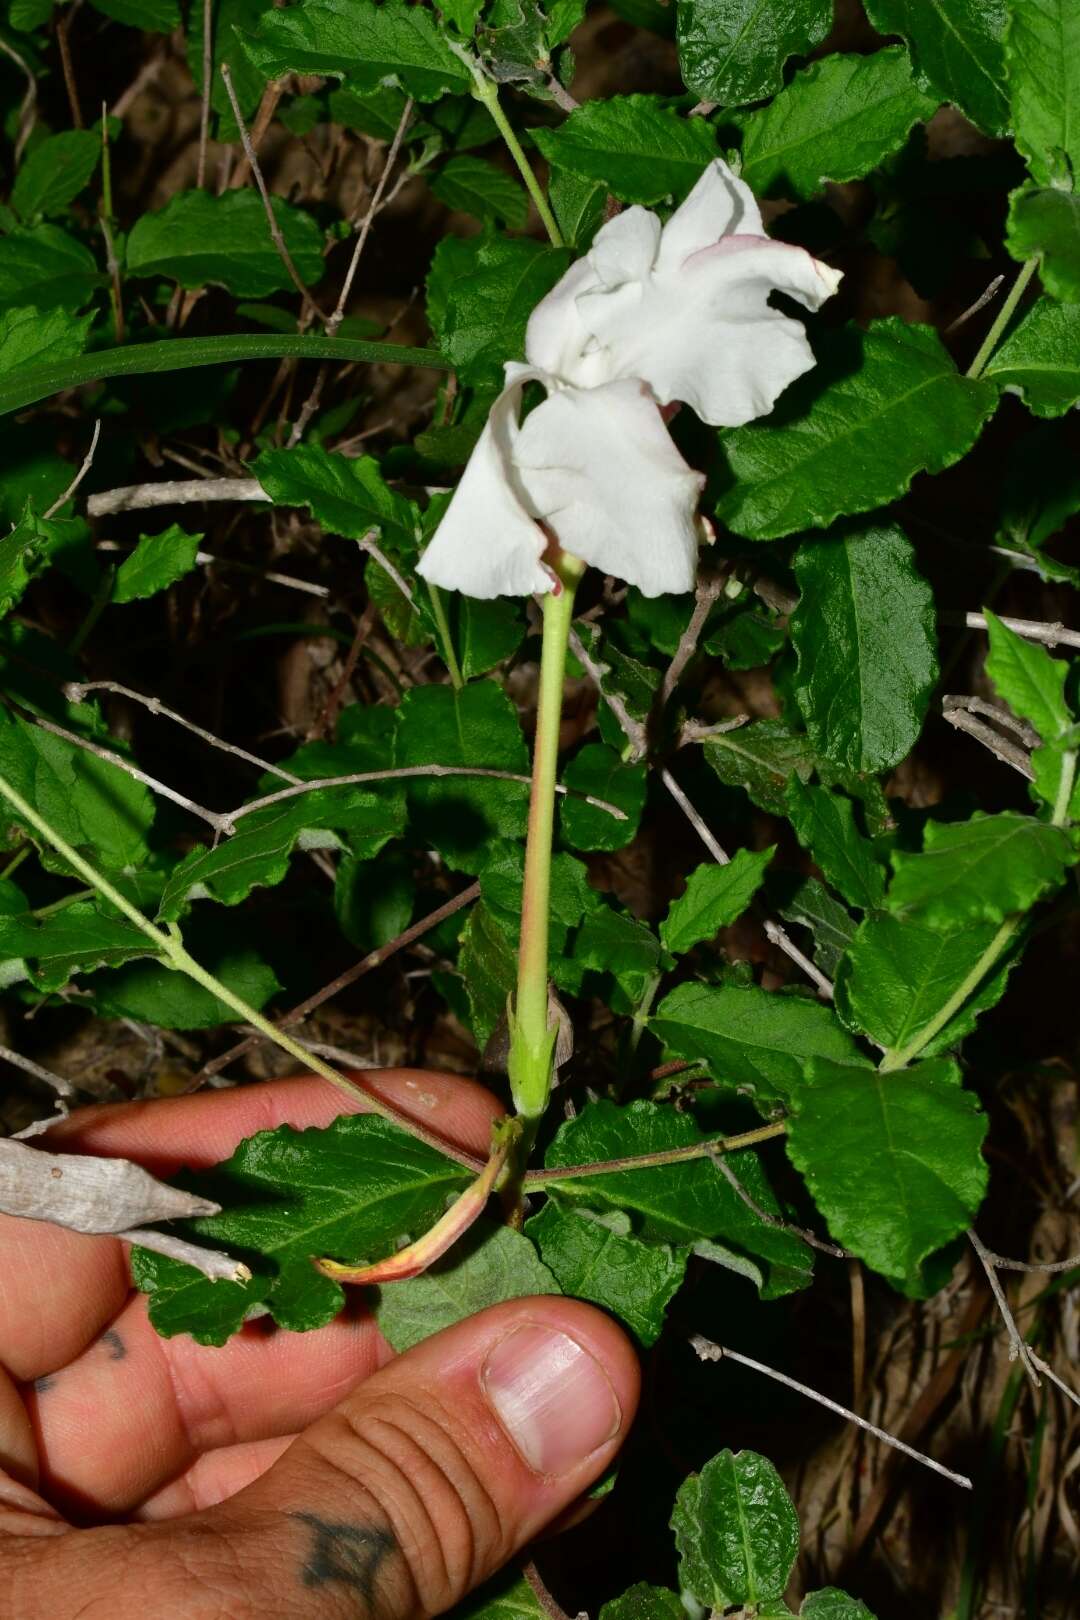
column 706, row 334
column 720, row 205
column 487, row 543
column 556, row 338
column 625, row 248
column 599, row 467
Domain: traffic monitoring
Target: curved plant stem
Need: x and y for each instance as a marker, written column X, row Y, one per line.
column 32, row 383
column 532, row 1039
column 486, row 91
column 538, row 1180
column 1004, row 316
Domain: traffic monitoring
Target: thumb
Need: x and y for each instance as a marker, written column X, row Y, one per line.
column 437, row 1469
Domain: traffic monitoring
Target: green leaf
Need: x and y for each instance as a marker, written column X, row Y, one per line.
column 642, row 150
column 837, row 120
column 508, row 1597
column 832, row 1604
column 480, row 296
column 365, row 42
column 644, row 1603
column 832, row 925
column 1029, row 679
column 198, row 238
column 1056, row 780
column 348, row 496
column 373, row 898
column 957, row 47
column 55, row 172
column 478, row 187
column 23, row 553
column 682, row 1202
column 752, row 1039
column 44, row 268
column 157, row 562
column 980, row 870
column 736, row 1530
column 899, row 976
column 349, row 1192
column 1039, row 359
column 715, row 897
column 477, row 726
column 1045, row 224
column 733, row 51
column 153, row 994
column 462, row 13
column 921, row 1133
column 578, row 205
column 597, row 769
column 824, row 824
column 157, row 16
column 865, row 637
column 1042, row 62
column 631, row 1280
column 35, row 337
column 880, row 406
column 761, row 758
column 612, row 942
column 232, row 24
column 488, row 1265
column 485, row 633
column 488, row 964
column 79, row 939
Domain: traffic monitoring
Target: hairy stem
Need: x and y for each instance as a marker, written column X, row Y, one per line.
column 532, row 1040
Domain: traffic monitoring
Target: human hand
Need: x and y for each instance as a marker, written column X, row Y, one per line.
column 298, row 1476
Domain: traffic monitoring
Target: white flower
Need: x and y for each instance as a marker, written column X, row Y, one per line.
column 650, row 316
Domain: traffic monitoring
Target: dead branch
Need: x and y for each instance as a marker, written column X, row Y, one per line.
column 88, row 1194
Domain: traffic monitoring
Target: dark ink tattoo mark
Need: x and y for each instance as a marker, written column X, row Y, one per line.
column 114, row 1344
column 350, row 1554
column 44, row 1384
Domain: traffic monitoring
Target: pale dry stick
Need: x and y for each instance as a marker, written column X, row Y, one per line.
column 327, row 720
column 1008, row 752
column 1019, row 1349
column 212, row 1263
column 981, row 302
column 367, row 964
column 264, row 117
column 75, row 692
column 1051, row 635
column 207, row 558
column 993, row 711
column 62, row 1087
column 561, row 96
column 145, row 76
column 697, row 731
column 87, row 463
column 708, row 1351
column 271, row 218
column 763, row 1215
column 207, row 80
column 703, row 109
column 779, row 936
column 174, row 492
column 63, row 26
column 28, row 106
column 632, row 729
column 1001, row 1262
column 708, row 589
column 373, row 549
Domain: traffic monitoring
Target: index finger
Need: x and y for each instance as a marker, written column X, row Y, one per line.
column 59, row 1289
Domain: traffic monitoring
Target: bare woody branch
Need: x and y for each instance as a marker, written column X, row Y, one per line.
column 174, row 492
column 88, row 1194
column 1051, row 635
column 1009, row 753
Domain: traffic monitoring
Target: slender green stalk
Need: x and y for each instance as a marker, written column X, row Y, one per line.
column 532, row 1041
column 442, row 624
column 62, row 904
column 16, row 861
column 1065, row 789
column 487, row 91
column 899, row 1058
column 541, row 1180
column 1004, row 316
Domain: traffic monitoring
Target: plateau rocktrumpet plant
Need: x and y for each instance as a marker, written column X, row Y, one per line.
column 652, row 317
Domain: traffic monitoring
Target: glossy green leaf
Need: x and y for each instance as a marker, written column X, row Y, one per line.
column 23, row 553
column 488, row 964
column 893, row 1161
column 55, row 172
column 31, row 337
column 198, row 238
column 350, row 1192
column 1040, row 359
column 832, row 1604
column 480, row 296
column 679, row 1203
column 812, row 906
column 597, row 770
column 957, row 49
column 1031, row 681
column 347, row 495
column 754, row 1039
column 610, row 941
column 865, row 636
column 1042, row 60
column 1045, row 224
column 589, row 1259
column 366, row 42
column 880, row 406
column 578, row 205
column 644, row 1603
column 824, row 824
column 44, row 268
column 901, row 976
column 733, row 51
column 715, row 897
column 79, row 939
column 480, row 188
column 485, row 633
column 836, row 120
column 736, row 1530
column 761, row 758
column 157, row 562
column 979, row 870
column 488, row 1265
column 641, row 149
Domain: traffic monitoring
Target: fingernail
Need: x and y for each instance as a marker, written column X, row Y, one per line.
column 554, row 1400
